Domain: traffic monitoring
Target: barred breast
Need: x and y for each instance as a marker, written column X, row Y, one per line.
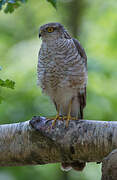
column 61, row 69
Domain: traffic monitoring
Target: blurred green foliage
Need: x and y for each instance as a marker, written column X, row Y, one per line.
column 11, row 5
column 96, row 28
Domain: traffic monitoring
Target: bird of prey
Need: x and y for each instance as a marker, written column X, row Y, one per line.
column 62, row 75
column 62, row 71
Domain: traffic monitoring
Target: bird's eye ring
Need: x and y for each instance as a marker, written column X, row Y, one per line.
column 50, row 29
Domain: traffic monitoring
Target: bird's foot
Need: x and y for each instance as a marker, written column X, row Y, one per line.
column 67, row 120
column 64, row 117
column 57, row 117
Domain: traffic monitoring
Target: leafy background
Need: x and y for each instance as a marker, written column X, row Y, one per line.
column 94, row 23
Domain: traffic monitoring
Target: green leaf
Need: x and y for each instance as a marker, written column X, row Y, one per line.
column 9, row 8
column 7, row 83
column 10, row 84
column 53, row 2
column 11, row 5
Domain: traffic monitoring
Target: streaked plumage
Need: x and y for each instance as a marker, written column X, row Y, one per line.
column 62, row 73
column 62, row 69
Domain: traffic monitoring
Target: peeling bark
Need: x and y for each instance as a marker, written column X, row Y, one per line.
column 35, row 142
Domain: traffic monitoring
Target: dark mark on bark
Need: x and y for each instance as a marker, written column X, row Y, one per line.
column 110, row 137
column 72, row 150
column 34, row 121
column 37, row 122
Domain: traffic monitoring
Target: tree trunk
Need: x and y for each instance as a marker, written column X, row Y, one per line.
column 72, row 14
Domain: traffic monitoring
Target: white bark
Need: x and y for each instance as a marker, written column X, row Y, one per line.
column 35, row 142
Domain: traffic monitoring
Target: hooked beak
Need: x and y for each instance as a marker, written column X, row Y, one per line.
column 39, row 35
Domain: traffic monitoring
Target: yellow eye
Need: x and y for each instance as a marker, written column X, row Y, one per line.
column 50, row 29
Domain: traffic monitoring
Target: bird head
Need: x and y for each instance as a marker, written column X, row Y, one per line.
column 52, row 31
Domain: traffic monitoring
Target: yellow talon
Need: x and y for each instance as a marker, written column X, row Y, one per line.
column 74, row 118
column 67, row 121
column 67, row 118
column 56, row 117
column 64, row 117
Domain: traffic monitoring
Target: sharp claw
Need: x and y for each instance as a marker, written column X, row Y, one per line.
column 53, row 123
column 55, row 119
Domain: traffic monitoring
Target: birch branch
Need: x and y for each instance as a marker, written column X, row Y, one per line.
column 35, row 142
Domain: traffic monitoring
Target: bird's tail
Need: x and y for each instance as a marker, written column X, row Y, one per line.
column 82, row 101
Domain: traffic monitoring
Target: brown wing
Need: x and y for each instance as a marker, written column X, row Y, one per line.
column 80, row 50
column 81, row 96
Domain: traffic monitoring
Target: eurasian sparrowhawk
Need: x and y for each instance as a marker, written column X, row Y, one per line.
column 62, row 75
